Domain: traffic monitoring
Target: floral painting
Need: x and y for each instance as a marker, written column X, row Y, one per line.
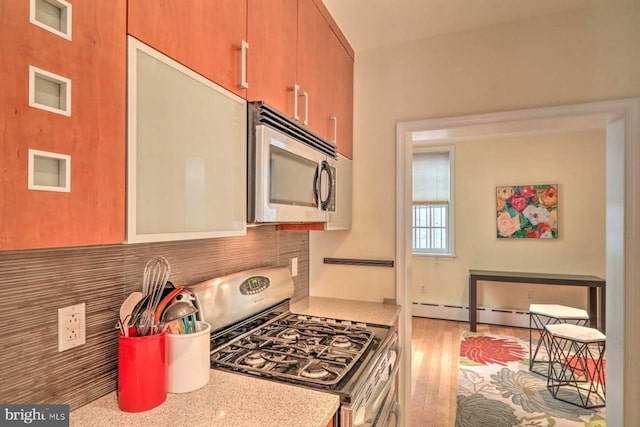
column 527, row 211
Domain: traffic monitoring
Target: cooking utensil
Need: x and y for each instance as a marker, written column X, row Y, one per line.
column 137, row 311
column 165, row 301
column 193, row 322
column 178, row 310
column 126, row 310
column 156, row 274
column 123, row 325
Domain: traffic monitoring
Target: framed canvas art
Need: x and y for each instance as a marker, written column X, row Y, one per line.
column 527, row 211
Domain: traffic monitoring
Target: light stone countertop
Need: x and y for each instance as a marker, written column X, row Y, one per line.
column 343, row 309
column 227, row 400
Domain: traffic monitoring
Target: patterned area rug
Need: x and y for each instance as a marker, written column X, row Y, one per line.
column 496, row 389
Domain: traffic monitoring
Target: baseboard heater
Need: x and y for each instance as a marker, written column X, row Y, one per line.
column 363, row 262
column 493, row 316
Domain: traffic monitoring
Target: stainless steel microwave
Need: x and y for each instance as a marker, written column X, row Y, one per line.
column 292, row 173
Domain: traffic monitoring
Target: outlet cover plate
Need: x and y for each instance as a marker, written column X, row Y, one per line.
column 71, row 327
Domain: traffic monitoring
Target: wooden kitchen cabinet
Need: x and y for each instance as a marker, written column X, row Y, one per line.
column 341, row 89
column 325, row 72
column 203, row 35
column 314, row 69
column 294, row 42
column 91, row 130
column 272, row 29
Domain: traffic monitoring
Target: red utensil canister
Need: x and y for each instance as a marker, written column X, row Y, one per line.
column 142, row 372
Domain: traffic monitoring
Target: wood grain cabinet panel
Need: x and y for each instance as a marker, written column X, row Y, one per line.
column 342, row 102
column 272, row 29
column 325, row 72
column 93, row 212
column 204, row 35
column 314, row 69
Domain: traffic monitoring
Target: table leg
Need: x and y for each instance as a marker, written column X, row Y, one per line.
column 473, row 303
column 593, row 306
column 603, row 310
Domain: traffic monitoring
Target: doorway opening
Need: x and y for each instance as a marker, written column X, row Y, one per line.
column 621, row 122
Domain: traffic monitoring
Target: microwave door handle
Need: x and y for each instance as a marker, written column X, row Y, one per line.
column 316, row 186
column 324, row 205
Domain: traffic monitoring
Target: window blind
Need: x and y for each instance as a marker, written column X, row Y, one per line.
column 431, row 177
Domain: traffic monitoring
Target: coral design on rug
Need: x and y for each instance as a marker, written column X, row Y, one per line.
column 496, row 389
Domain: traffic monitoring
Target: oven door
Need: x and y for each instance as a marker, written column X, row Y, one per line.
column 368, row 405
column 293, row 181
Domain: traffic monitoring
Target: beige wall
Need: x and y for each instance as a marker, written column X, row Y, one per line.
column 574, row 161
column 562, row 59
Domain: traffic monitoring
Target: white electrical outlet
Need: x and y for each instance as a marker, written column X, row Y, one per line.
column 422, row 289
column 294, row 267
column 530, row 295
column 71, row 327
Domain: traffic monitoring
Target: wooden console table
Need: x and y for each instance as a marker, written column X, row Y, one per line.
column 594, row 284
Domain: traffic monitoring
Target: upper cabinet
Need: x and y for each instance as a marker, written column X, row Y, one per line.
column 341, row 89
column 187, row 152
column 62, row 155
column 314, row 69
column 297, row 64
column 272, row 30
column 207, row 36
column 325, row 76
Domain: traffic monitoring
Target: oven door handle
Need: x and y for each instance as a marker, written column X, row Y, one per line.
column 398, row 413
column 387, row 389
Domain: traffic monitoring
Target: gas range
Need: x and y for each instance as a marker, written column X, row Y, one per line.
column 255, row 334
column 300, row 349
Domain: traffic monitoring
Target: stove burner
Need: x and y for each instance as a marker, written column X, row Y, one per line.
column 341, row 341
column 255, row 359
column 315, row 371
column 290, row 334
column 279, row 358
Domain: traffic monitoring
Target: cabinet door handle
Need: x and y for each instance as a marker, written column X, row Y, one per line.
column 244, row 84
column 296, row 89
column 306, row 108
column 334, row 119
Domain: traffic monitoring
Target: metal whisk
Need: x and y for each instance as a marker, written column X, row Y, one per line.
column 156, row 274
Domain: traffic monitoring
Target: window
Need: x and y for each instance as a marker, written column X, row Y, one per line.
column 432, row 195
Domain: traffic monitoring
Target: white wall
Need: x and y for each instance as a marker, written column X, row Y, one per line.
column 576, row 162
column 562, row 59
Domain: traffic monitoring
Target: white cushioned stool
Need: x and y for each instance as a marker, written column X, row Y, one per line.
column 576, row 371
column 541, row 315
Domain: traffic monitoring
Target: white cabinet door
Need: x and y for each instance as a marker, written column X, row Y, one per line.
column 341, row 218
column 186, row 152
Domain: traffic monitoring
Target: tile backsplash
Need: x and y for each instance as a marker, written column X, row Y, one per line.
column 35, row 283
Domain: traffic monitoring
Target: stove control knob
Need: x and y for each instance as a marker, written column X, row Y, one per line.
column 346, row 322
column 361, row 325
column 331, row 321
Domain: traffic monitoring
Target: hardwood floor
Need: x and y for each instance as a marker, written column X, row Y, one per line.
column 435, row 349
